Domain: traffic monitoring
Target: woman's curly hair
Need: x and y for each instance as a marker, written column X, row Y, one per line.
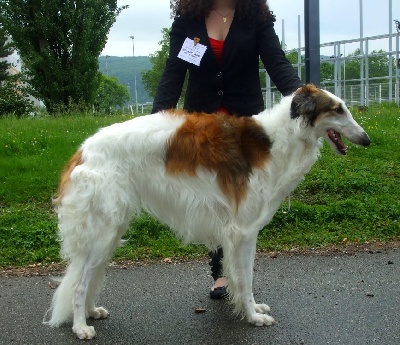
column 198, row 9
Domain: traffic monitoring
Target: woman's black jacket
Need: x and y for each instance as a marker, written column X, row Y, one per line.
column 235, row 84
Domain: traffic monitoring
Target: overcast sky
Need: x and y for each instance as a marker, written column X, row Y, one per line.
column 339, row 20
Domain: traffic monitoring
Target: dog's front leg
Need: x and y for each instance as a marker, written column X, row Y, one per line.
column 239, row 264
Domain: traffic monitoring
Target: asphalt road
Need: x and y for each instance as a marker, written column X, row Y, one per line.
column 337, row 299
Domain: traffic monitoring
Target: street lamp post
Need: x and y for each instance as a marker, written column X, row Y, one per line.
column 133, row 45
column 133, row 55
column 107, row 65
column 129, row 92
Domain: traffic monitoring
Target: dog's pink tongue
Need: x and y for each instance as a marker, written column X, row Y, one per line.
column 337, row 140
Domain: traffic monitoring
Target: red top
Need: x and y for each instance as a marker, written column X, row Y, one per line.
column 218, row 46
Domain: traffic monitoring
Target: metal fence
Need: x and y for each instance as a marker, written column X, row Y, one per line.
column 362, row 91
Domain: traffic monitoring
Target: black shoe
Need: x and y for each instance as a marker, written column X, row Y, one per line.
column 219, row 293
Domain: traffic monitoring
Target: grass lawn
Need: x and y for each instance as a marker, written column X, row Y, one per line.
column 343, row 199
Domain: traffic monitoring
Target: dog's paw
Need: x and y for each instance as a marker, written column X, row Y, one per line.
column 261, row 320
column 84, row 331
column 262, row 308
column 98, row 313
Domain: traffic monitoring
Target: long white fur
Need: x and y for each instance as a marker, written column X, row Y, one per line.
column 124, row 173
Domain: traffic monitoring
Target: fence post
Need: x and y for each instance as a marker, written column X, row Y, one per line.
column 366, row 73
column 268, row 91
column 339, row 71
column 312, row 41
column 351, row 94
column 397, row 91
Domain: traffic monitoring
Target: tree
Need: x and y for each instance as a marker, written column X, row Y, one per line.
column 59, row 42
column 5, row 50
column 14, row 98
column 152, row 77
column 110, row 94
column 378, row 65
column 293, row 58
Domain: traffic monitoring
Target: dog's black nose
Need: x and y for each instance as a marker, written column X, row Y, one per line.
column 365, row 140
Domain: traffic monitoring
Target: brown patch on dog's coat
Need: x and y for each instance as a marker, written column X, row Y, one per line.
column 231, row 146
column 75, row 160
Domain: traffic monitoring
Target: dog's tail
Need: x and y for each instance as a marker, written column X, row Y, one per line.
column 61, row 309
column 75, row 160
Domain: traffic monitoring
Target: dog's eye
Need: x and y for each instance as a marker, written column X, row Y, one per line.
column 339, row 110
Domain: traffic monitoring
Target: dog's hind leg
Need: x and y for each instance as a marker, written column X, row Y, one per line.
column 92, row 216
column 239, row 264
column 80, row 327
column 94, row 288
column 92, row 280
column 98, row 277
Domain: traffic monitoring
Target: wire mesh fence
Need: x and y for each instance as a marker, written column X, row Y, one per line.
column 360, row 78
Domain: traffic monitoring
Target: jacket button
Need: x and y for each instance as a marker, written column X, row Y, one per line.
column 220, row 93
column 219, row 74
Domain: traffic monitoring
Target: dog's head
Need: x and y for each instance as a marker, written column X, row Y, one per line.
column 329, row 116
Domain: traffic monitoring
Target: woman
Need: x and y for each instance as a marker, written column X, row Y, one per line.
column 220, row 43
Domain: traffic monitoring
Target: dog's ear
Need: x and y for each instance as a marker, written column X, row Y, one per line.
column 304, row 103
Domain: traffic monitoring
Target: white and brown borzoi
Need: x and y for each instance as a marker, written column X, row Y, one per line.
column 213, row 179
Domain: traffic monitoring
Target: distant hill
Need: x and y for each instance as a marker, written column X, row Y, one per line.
column 124, row 68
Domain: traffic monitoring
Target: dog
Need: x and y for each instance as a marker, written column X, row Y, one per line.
column 213, row 179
